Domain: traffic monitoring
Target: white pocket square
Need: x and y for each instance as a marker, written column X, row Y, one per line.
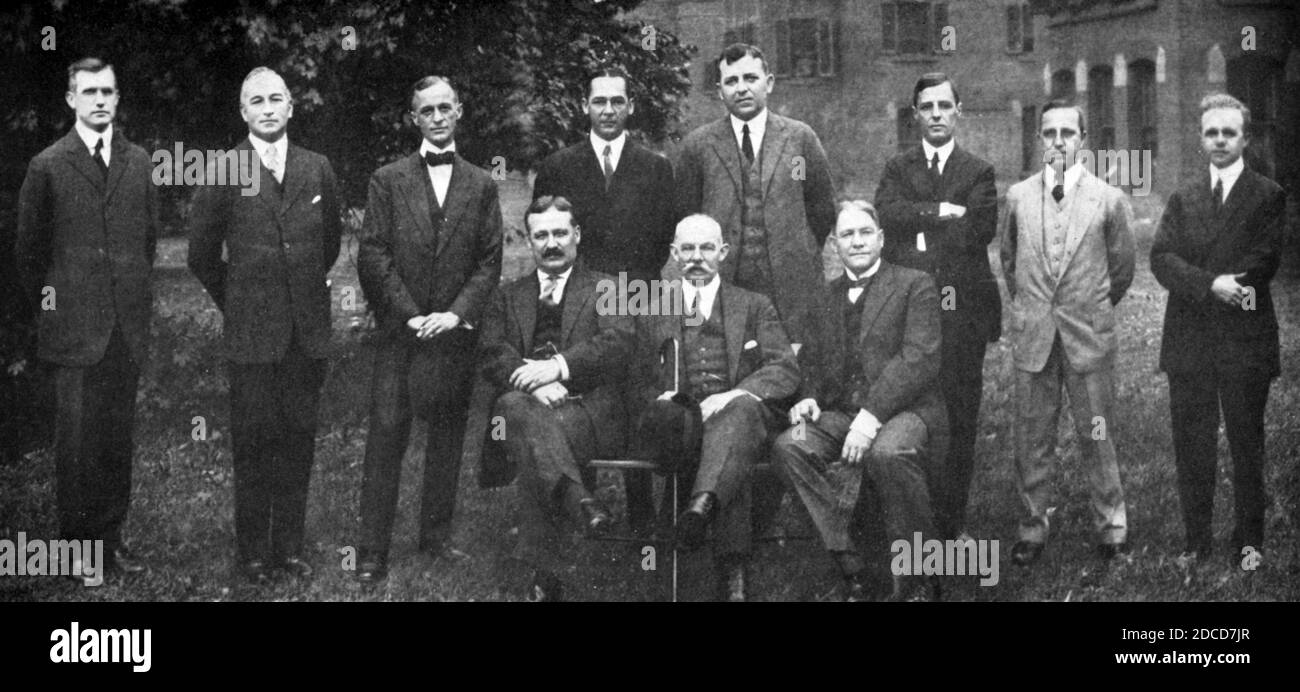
column 315, row 199
column 750, row 344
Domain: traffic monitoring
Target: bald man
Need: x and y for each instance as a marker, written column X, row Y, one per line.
column 280, row 244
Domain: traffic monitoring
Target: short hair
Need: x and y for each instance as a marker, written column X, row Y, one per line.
column 610, row 71
column 699, row 219
column 859, row 205
column 737, row 51
column 258, row 72
column 1066, row 103
column 429, row 80
column 547, row 202
column 85, row 65
column 933, row 79
column 1221, row 100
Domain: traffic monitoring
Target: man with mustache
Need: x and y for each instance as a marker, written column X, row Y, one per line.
column 1067, row 255
column 727, row 366
column 765, row 178
column 556, row 360
column 870, row 402
column 86, row 228
column 270, row 285
column 430, row 258
column 622, row 196
column 1216, row 250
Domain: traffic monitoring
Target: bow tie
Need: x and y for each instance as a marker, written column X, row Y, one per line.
column 446, row 158
column 860, row 282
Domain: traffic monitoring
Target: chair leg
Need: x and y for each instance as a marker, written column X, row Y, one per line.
column 674, row 537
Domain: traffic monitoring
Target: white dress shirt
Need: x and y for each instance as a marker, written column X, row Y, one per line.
column 89, row 137
column 855, row 293
column 1072, row 175
column 440, row 176
column 944, row 152
column 615, row 149
column 757, row 126
column 1228, row 175
column 281, row 147
column 708, row 293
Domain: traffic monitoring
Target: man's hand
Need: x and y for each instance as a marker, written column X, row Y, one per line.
column 666, row 396
column 1226, row 289
column 552, row 394
column 535, row 373
column 416, row 323
column 856, row 447
column 947, row 210
column 436, row 323
column 713, row 404
column 806, row 409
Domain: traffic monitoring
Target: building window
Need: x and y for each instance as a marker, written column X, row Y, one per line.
column 1063, row 84
column 1029, row 160
column 1256, row 82
column 1142, row 106
column 1020, row 29
column 807, row 47
column 1101, row 108
column 906, row 134
column 913, row 28
column 744, row 33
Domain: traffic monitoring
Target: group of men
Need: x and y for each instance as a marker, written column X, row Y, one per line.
column 865, row 387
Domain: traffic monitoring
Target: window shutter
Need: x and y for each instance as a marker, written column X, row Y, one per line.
column 1013, row 28
column 939, row 12
column 825, row 49
column 888, row 26
column 783, row 66
column 1027, row 33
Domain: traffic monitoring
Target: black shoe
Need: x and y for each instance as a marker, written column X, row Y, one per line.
column 733, row 583
column 123, row 561
column 297, row 567
column 546, row 588
column 693, row 524
column 1108, row 551
column 1025, row 553
column 255, row 572
column 596, row 520
column 372, row 569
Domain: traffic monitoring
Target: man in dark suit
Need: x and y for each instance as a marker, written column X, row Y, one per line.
column 871, row 398
column 556, row 357
column 735, row 367
column 1216, row 250
column 622, row 195
column 938, row 207
column 430, row 258
column 766, row 180
column 280, row 244
column 87, row 224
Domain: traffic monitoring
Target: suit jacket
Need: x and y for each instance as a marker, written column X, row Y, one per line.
column 956, row 249
column 897, row 348
column 92, row 241
column 406, row 269
column 1096, row 270
column 627, row 228
column 1202, row 334
column 596, row 345
column 798, row 203
column 280, row 246
column 759, row 358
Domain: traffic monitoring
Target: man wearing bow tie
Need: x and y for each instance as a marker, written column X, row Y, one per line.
column 87, row 223
column 430, row 258
column 1067, row 255
column 279, row 244
column 1216, row 250
column 871, row 402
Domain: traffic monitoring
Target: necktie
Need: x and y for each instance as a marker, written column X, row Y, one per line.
column 934, row 163
column 1058, row 192
column 609, row 167
column 860, row 282
column 446, row 158
column 1218, row 196
column 548, row 290
column 272, row 162
column 99, row 157
column 936, row 176
column 746, row 146
column 694, row 309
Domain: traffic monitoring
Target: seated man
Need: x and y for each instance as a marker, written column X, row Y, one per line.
column 870, row 399
column 731, row 361
column 558, row 360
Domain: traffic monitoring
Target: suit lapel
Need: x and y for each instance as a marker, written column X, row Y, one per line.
column 1242, row 190
column 575, row 299
column 919, row 169
column 774, row 140
column 117, row 168
column 874, row 299
column 417, row 199
column 1200, row 209
column 267, row 195
column 525, row 305
column 592, row 170
column 724, row 145
column 295, row 171
column 1086, row 205
column 734, row 319
column 80, row 158
column 454, row 206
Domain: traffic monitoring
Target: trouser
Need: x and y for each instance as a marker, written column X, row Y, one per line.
column 1194, row 405
column 1038, row 408
column 93, row 448
column 273, row 430
column 962, row 378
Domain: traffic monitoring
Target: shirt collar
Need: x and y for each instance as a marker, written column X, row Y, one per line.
column 944, row 151
column 871, row 271
column 615, row 145
column 757, row 126
column 1229, row 175
column 562, row 276
column 1072, row 175
column 426, row 147
column 261, row 145
column 89, row 136
column 708, row 293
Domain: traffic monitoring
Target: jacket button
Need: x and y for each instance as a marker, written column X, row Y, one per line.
column 285, row 245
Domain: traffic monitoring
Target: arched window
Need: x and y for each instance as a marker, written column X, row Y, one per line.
column 1142, row 116
column 1101, row 110
column 1257, row 81
column 1063, row 84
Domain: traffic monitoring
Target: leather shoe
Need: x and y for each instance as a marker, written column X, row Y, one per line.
column 296, row 567
column 733, row 583
column 123, row 561
column 255, row 572
column 546, row 588
column 1025, row 553
column 595, row 518
column 1108, row 551
column 693, row 524
column 372, row 569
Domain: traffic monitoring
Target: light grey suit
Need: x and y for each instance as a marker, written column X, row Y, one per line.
column 1066, row 266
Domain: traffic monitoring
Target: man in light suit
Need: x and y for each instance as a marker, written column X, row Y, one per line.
column 766, row 180
column 280, row 244
column 1067, row 256
column 939, row 208
column 430, row 258
column 87, row 225
column 622, row 196
column 870, row 399
column 735, row 368
column 1216, row 250
column 555, row 356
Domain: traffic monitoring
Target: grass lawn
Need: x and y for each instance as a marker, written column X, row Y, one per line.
column 182, row 504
